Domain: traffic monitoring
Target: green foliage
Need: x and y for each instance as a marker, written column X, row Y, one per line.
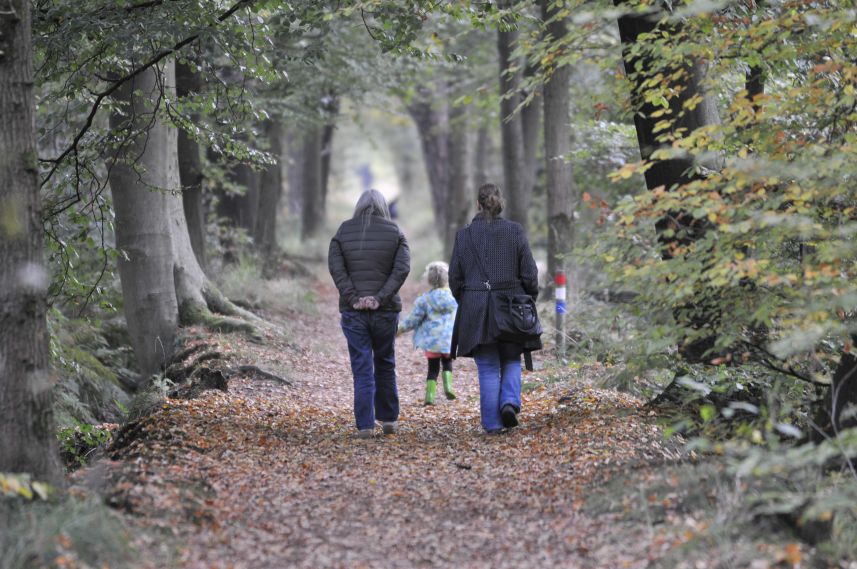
column 79, row 441
column 256, row 60
column 775, row 258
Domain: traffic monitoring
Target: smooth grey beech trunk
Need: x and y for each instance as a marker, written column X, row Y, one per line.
column 481, row 151
column 459, row 200
column 444, row 141
column 163, row 285
column 511, row 130
column 431, row 117
column 557, row 139
column 27, row 440
column 189, row 82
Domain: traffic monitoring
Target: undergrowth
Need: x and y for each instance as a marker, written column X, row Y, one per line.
column 63, row 532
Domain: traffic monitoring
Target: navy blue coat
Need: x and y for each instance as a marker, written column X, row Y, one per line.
column 507, row 258
column 369, row 261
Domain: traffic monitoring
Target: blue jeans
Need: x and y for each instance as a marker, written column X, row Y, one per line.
column 371, row 337
column 499, row 385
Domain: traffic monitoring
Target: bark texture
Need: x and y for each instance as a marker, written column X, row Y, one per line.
column 27, row 440
column 330, row 105
column 511, row 130
column 162, row 282
column 188, row 82
column 270, row 190
column 531, row 122
column 840, row 396
column 447, row 174
column 557, row 138
column 665, row 172
column 312, row 210
column 482, row 150
column 240, row 209
column 293, row 155
column 458, row 198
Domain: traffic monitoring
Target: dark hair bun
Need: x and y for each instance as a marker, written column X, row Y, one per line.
column 490, row 200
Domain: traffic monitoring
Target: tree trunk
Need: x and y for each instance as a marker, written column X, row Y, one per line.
column 312, row 212
column 665, row 173
column 480, row 157
column 458, row 200
column 27, row 439
column 430, row 113
column 557, row 138
column 511, row 129
column 755, row 85
column 188, row 82
column 294, row 171
column 270, row 190
column 841, row 394
column 330, row 104
column 326, row 154
column 676, row 171
column 531, row 115
column 240, row 209
column 162, row 282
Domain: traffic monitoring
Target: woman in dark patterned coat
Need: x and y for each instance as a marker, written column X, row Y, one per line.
column 506, row 257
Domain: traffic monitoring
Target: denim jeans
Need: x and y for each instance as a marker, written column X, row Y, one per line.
column 371, row 337
column 499, row 385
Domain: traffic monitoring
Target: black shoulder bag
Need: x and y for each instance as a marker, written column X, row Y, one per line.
column 513, row 317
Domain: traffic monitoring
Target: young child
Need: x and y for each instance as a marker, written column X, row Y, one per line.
column 432, row 319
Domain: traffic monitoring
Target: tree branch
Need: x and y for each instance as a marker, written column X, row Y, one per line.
column 102, row 95
column 143, row 5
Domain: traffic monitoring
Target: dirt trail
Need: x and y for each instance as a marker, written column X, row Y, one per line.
column 268, row 475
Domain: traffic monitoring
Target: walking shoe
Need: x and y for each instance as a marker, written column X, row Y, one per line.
column 390, row 427
column 509, row 416
column 365, row 433
column 447, row 385
column 431, row 389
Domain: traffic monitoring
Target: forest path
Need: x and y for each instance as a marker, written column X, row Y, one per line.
column 267, row 475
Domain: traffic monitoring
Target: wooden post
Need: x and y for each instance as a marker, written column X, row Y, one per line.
column 560, row 290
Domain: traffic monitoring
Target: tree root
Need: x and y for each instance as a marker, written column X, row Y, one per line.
column 193, row 313
column 178, row 373
column 202, row 379
column 219, row 303
column 259, row 373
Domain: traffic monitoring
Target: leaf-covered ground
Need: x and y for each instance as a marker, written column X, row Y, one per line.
column 271, row 475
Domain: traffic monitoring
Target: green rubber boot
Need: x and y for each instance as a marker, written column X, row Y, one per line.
column 447, row 385
column 431, row 389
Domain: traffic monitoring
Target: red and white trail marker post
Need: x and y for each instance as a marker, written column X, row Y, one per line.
column 560, row 293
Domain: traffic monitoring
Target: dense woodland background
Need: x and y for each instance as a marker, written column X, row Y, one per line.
column 691, row 165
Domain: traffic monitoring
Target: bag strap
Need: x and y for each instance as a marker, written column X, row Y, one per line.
column 486, row 283
column 479, row 260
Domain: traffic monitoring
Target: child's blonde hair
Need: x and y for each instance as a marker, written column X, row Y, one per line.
column 437, row 274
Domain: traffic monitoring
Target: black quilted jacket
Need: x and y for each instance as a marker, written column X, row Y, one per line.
column 506, row 255
column 369, row 261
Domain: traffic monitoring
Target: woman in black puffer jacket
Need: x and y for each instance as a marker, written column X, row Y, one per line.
column 369, row 261
column 505, row 254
